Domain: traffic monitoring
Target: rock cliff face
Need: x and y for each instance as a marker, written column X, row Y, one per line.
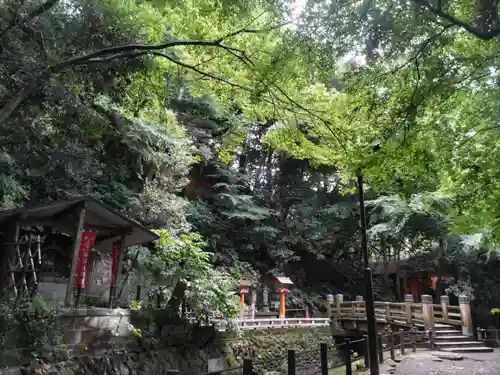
column 268, row 349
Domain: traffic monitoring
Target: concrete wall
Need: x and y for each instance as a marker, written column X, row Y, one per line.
column 53, row 289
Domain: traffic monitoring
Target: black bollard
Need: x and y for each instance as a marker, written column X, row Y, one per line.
column 247, row 366
column 380, row 349
column 324, row 358
column 348, row 363
column 291, row 362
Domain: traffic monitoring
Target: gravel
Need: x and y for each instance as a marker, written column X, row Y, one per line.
column 437, row 363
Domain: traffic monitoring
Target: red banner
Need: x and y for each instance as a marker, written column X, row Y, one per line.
column 84, row 254
column 115, row 256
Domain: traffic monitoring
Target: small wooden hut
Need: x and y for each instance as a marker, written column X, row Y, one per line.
column 29, row 266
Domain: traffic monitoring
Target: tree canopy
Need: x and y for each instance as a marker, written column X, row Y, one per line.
column 246, row 122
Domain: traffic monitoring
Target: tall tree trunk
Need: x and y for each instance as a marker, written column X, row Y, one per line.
column 269, row 174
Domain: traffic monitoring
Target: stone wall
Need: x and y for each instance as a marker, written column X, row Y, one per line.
column 202, row 351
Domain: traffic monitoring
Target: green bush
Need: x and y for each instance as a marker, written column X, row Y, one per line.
column 26, row 326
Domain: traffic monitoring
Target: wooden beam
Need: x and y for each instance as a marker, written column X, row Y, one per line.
column 76, row 248
column 118, row 270
column 117, row 231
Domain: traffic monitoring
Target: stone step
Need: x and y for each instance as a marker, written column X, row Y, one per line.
column 443, row 327
column 452, row 338
column 458, row 344
column 438, row 327
column 482, row 349
column 448, row 333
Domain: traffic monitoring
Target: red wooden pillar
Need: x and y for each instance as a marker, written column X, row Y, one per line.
column 282, row 292
column 75, row 254
column 243, row 292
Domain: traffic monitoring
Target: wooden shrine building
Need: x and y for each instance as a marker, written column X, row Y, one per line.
column 29, row 265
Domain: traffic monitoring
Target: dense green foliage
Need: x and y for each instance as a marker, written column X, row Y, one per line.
column 25, row 325
column 246, row 122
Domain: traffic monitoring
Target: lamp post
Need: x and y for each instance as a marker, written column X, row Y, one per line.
column 368, row 279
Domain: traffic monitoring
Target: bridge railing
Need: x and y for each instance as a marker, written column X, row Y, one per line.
column 273, row 323
column 425, row 314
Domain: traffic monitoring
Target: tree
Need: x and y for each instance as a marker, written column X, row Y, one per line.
column 182, row 274
column 407, row 96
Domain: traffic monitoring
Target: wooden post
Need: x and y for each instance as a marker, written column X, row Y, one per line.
column 393, row 352
column 138, row 294
column 348, row 363
column 413, row 338
column 402, row 342
column 291, row 362
column 445, row 302
column 323, row 348
column 339, row 298
column 74, row 260
column 408, row 308
column 118, row 272
column 388, row 315
column 329, row 302
column 23, row 286
column 247, row 366
column 359, row 304
column 428, row 312
column 466, row 316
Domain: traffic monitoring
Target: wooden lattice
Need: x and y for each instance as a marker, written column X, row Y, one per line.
column 24, row 263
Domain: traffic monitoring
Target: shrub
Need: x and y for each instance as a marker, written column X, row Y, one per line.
column 26, row 326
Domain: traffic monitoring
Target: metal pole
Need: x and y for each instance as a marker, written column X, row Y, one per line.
column 369, row 299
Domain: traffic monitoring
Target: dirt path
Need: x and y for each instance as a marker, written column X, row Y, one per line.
column 439, row 363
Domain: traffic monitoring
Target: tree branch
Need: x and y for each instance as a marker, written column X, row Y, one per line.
column 44, row 7
column 438, row 11
column 494, row 127
column 201, row 72
column 119, row 52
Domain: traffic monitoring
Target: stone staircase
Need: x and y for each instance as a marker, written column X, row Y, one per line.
column 449, row 339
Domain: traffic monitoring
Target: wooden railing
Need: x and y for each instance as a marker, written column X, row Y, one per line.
column 426, row 313
column 274, row 323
